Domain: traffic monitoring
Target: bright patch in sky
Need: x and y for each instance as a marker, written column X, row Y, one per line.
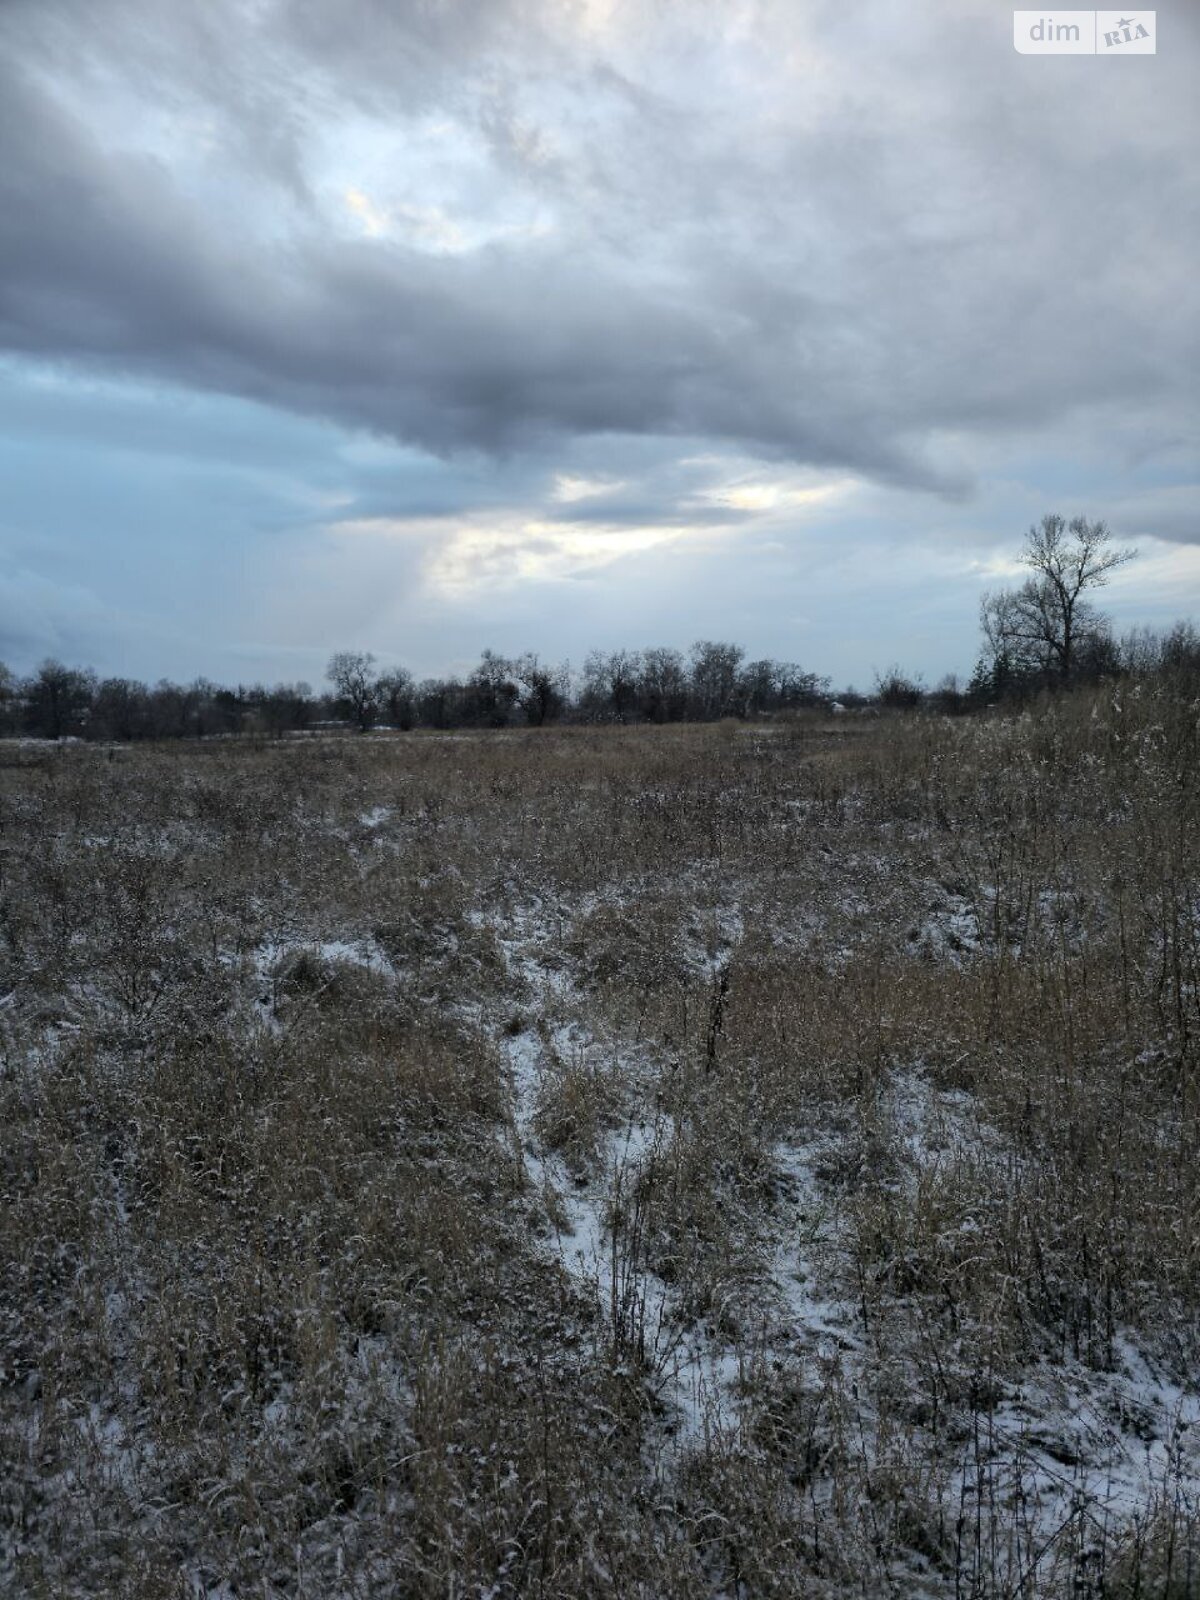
column 568, row 488
column 768, row 496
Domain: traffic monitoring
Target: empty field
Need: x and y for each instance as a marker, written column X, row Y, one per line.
column 739, row 1160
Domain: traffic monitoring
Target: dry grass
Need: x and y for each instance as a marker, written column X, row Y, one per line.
column 623, row 1162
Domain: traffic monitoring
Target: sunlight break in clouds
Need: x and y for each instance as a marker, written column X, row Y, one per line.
column 779, row 496
column 489, row 551
column 569, row 488
column 374, row 220
column 578, row 290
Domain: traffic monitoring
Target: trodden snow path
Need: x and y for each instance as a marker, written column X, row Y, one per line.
column 690, row 1369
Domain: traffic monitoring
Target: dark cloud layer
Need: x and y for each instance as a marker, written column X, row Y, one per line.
column 914, row 235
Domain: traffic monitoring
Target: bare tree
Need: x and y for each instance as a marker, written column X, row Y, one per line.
column 58, row 699
column 715, row 682
column 1047, row 624
column 397, row 696
column 285, row 706
column 663, row 685
column 775, row 685
column 544, row 689
column 351, row 672
column 610, row 683
column 1010, row 658
column 897, row 691
column 491, row 692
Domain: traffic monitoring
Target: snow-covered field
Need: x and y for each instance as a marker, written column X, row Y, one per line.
column 625, row 1161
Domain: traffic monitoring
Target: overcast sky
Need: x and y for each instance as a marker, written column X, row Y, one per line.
column 421, row 327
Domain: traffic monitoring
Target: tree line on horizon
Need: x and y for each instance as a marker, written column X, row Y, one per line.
column 1044, row 635
column 661, row 684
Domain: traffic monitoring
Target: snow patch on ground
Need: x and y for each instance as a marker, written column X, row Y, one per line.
column 269, row 963
column 690, row 1369
column 1066, row 1450
column 950, row 931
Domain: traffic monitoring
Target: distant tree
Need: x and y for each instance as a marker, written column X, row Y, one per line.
column 286, row 707
column 662, row 685
column 180, row 711
column 610, row 684
column 715, row 679
column 10, row 700
column 1144, row 653
column 760, row 686
column 397, row 698
column 779, row 685
column 229, row 710
column 491, row 692
column 799, row 688
column 543, row 689
column 1048, row 627
column 1009, row 662
column 440, row 702
column 898, row 692
column 1180, row 652
column 352, row 674
column 58, row 700
column 201, row 716
column 949, row 697
column 120, row 710
column 1140, row 652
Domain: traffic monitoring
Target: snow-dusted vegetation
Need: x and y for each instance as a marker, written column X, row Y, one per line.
column 723, row 1161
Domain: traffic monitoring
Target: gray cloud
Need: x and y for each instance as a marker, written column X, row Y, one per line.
column 929, row 235
column 41, row 616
